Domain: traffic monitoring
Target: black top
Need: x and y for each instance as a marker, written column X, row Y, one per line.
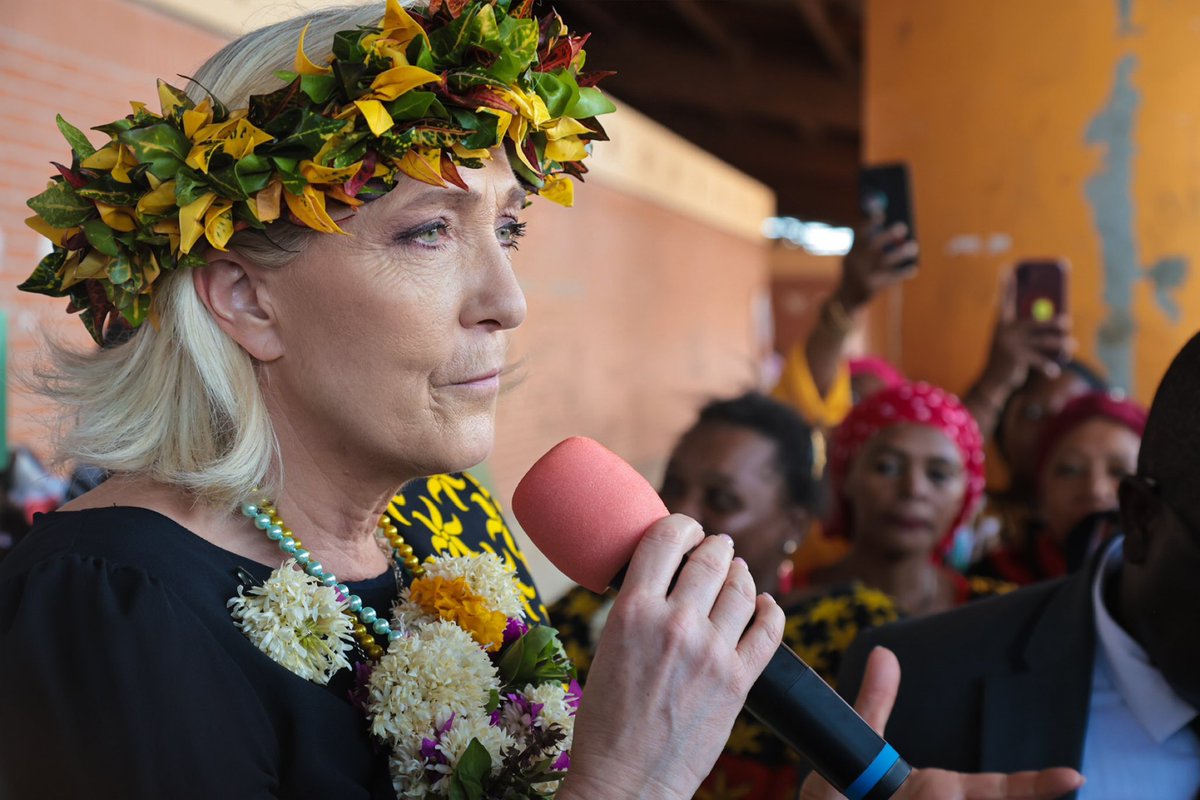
column 123, row 675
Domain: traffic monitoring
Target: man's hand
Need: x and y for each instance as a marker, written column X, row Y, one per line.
column 875, row 701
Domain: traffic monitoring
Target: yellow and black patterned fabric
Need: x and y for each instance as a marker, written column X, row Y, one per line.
column 453, row 514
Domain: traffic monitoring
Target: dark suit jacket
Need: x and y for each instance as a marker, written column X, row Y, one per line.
column 1000, row 685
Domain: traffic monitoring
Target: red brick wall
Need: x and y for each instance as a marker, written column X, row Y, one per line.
column 86, row 61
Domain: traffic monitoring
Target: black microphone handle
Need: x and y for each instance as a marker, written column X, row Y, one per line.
column 792, row 701
column 804, row 711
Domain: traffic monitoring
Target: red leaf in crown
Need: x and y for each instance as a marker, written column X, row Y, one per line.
column 586, row 79
column 76, row 180
column 450, row 172
column 355, row 184
column 562, row 54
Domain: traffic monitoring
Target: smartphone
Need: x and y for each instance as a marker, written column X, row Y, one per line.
column 1041, row 288
column 889, row 185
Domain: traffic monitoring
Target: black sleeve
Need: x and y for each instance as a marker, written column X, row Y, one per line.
column 111, row 688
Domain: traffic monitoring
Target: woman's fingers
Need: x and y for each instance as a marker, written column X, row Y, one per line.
column 880, row 683
column 659, row 554
column 762, row 638
column 734, row 607
column 704, row 574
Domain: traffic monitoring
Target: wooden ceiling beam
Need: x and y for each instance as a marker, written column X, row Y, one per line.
column 767, row 87
column 815, row 17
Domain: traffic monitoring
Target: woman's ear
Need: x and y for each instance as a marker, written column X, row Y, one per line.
column 236, row 296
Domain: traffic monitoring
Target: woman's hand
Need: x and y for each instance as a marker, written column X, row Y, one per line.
column 1018, row 346
column 672, row 668
column 874, row 261
column 875, row 701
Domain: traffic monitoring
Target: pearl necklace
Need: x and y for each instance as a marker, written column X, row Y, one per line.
column 367, row 622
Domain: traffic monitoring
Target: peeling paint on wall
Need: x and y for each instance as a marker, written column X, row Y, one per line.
column 1110, row 193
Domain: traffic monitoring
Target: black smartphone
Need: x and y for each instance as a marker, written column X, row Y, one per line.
column 889, row 186
column 1041, row 290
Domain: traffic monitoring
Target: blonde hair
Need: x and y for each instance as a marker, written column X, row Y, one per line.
column 180, row 402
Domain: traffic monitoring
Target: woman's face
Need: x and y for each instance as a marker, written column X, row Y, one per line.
column 1081, row 474
column 727, row 478
column 905, row 488
column 394, row 337
column 1025, row 416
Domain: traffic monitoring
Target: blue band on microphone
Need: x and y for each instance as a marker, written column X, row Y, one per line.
column 864, row 783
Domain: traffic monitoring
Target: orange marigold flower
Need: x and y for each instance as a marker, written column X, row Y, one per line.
column 453, row 601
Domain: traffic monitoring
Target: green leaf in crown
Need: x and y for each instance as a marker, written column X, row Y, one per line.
column 419, row 95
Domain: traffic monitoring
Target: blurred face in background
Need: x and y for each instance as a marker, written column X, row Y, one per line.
column 728, row 478
column 904, row 489
column 1025, row 416
column 1081, row 474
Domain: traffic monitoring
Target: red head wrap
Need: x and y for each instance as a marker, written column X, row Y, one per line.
column 907, row 404
column 1093, row 405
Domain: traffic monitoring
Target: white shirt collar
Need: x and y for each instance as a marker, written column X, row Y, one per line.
column 1145, row 691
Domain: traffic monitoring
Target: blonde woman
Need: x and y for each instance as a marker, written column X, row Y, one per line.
column 275, row 382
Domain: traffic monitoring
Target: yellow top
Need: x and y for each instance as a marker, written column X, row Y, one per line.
column 797, row 388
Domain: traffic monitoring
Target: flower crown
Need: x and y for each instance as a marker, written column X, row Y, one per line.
column 418, row 95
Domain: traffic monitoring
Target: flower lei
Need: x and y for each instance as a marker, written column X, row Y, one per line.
column 416, row 95
column 470, row 700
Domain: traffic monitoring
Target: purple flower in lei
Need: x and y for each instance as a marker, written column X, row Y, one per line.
column 429, row 747
column 563, row 762
column 574, row 696
column 515, row 629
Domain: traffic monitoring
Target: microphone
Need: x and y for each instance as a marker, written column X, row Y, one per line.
column 586, row 510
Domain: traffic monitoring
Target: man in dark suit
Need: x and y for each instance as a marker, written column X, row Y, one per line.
column 1099, row 670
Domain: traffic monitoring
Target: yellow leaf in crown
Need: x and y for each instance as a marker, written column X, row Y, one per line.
column 377, row 117
column 398, row 25
column 113, row 157
column 559, row 189
column 218, row 223
column 168, row 98
column 94, row 265
column 243, row 138
column 302, row 65
column 570, row 149
column 119, row 218
column 159, row 201
column 57, row 235
column 516, row 132
column 425, row 167
column 315, row 173
column 190, row 216
column 196, row 118
column 462, row 152
column 309, row 208
column 504, row 119
column 392, row 83
column 200, row 154
column 531, row 106
column 564, row 127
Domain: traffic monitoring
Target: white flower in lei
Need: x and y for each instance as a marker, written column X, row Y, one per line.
column 296, row 621
column 433, row 672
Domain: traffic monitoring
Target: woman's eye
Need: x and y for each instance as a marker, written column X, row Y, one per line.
column 888, row 467
column 723, row 501
column 508, row 234
column 429, row 235
column 1067, row 470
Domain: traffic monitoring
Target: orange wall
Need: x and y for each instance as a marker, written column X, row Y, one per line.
column 1023, row 143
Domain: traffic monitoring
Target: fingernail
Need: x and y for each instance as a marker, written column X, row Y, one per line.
column 725, row 537
column 739, row 560
column 769, row 596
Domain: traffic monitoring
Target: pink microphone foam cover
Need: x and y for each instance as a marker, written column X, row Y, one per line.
column 586, row 510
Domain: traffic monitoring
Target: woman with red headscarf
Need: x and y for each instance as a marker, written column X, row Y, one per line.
column 906, row 471
column 1082, row 455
